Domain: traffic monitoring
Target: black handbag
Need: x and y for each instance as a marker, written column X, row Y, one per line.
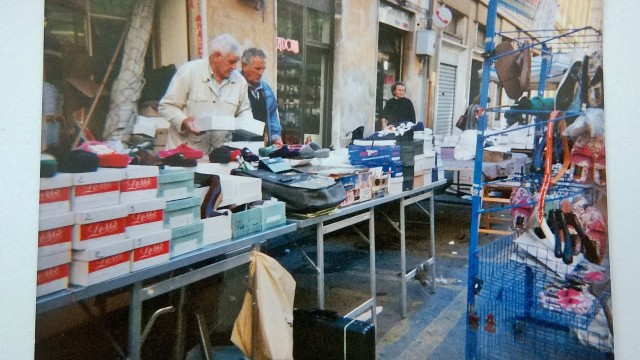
column 303, row 193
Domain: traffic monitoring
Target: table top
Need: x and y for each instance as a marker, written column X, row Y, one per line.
column 77, row 293
column 301, row 223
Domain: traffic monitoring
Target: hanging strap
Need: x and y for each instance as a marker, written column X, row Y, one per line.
column 548, row 154
column 566, row 153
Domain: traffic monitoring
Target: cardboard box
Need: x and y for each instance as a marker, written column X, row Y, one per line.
column 88, row 273
column 272, row 214
column 495, row 156
column 395, row 185
column 240, row 190
column 97, row 264
column 183, row 212
column 246, row 222
column 103, row 251
column 55, row 233
column 140, row 182
column 53, row 272
column 175, row 184
column 356, row 196
column 145, row 216
column 150, row 249
column 229, row 123
column 49, row 261
column 216, row 229
column 98, row 227
column 55, row 194
column 186, row 239
column 52, row 279
column 96, row 189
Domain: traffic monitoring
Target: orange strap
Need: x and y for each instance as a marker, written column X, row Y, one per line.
column 566, row 161
column 548, row 155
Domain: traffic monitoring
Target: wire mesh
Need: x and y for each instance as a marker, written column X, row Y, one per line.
column 518, row 314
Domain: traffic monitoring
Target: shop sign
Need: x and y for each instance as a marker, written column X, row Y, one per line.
column 394, row 17
column 292, row 46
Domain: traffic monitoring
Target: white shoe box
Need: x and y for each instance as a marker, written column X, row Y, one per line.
column 150, row 249
column 96, row 189
column 55, row 233
column 216, row 229
column 140, row 183
column 100, row 226
column 55, row 194
column 53, row 273
column 96, row 264
column 395, row 185
column 145, row 216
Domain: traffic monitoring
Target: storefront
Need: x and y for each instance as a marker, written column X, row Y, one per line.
column 393, row 26
column 304, row 50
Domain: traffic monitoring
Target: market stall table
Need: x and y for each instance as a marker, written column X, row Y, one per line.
column 359, row 212
column 236, row 250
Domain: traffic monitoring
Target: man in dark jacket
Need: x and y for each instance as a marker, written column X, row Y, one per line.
column 263, row 101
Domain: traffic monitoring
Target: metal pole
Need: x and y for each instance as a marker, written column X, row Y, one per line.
column 135, row 321
column 403, row 257
column 320, row 263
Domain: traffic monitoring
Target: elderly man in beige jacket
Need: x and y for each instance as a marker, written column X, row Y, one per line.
column 206, row 87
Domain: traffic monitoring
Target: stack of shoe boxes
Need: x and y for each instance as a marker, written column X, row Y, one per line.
column 182, row 210
column 54, row 234
column 145, row 217
column 101, row 250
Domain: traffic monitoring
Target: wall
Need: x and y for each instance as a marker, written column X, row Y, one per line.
column 354, row 77
column 251, row 27
column 172, row 32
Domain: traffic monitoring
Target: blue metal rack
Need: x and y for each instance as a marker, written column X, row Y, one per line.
column 508, row 318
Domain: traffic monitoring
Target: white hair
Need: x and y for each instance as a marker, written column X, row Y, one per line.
column 224, row 44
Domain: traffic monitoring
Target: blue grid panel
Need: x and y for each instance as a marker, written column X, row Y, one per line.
column 523, row 329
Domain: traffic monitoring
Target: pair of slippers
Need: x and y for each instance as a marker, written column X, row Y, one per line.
column 226, row 154
column 306, row 151
column 185, row 150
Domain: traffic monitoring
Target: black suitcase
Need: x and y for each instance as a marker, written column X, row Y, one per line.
column 323, row 334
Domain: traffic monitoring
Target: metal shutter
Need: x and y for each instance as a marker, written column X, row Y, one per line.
column 446, row 94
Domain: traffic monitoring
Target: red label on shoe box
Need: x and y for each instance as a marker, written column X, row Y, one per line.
column 102, row 228
column 99, row 188
column 145, row 217
column 146, row 183
column 147, row 252
column 55, row 195
column 100, row 264
column 55, row 236
column 54, row 273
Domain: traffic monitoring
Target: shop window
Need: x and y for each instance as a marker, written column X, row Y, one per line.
column 455, row 30
column 319, row 27
column 303, row 44
column 481, row 36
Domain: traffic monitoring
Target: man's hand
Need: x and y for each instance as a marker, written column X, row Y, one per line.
column 189, row 125
column 277, row 142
